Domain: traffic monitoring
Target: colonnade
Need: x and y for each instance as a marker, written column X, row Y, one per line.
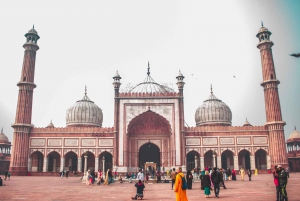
column 5, row 150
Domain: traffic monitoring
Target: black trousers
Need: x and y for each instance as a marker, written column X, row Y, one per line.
column 173, row 182
column 283, row 193
column 217, row 188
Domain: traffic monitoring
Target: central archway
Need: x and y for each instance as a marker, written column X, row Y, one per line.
column 149, row 152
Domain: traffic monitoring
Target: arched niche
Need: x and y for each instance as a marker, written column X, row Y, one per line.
column 149, row 152
column 37, row 160
column 192, row 160
column 244, row 159
column 261, row 159
column 90, row 160
column 107, row 161
column 227, row 159
column 53, row 161
column 71, row 161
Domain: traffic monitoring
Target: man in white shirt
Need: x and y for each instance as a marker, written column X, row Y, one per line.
column 140, row 176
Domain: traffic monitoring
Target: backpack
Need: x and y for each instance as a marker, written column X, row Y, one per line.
column 184, row 184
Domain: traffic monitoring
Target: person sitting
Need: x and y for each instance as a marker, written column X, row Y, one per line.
column 139, row 190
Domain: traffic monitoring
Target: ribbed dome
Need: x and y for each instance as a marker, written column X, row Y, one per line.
column 3, row 137
column 294, row 134
column 84, row 113
column 213, row 112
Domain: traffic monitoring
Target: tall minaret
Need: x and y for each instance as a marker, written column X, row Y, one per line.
column 277, row 150
column 22, row 125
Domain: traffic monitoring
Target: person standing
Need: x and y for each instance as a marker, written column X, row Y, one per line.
column 140, row 176
column 287, row 170
column 255, row 172
column 110, row 176
column 215, row 178
column 62, row 174
column 242, row 172
column 189, row 179
column 249, row 173
column 67, row 174
column 180, row 193
column 282, row 178
column 221, row 178
column 1, row 182
column 233, row 175
column 5, row 175
column 173, row 177
column 276, row 182
column 8, row 175
column 205, row 183
column 229, row 174
column 99, row 177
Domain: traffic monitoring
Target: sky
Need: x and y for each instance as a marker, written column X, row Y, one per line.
column 210, row 42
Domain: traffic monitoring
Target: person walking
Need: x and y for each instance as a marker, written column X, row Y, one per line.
column 8, row 175
column 233, row 175
column 276, row 182
column 67, row 174
column 110, row 176
column 205, row 183
column 99, row 177
column 215, row 178
column 249, row 173
column 283, row 179
column 222, row 178
column 287, row 170
column 173, row 177
column 179, row 192
column 5, row 175
column 189, row 179
column 242, row 172
column 62, row 174
column 140, row 175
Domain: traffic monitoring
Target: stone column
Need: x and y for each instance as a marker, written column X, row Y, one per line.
column 103, row 167
column 268, row 162
column 196, row 162
column 54, row 165
column 45, row 165
column 214, row 160
column 96, row 164
column 62, row 164
column 236, row 162
column 252, row 162
column 29, row 164
column 79, row 165
column 202, row 162
column 219, row 163
column 85, row 165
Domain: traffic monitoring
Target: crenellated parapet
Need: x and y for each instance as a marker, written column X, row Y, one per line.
column 73, row 130
column 224, row 128
column 148, row 95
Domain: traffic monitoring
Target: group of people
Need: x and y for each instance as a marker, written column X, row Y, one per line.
column 280, row 180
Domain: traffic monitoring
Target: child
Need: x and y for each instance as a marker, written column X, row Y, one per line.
column 139, row 190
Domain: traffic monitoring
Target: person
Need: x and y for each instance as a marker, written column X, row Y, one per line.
column 215, row 178
column 242, row 172
column 255, row 172
column 120, row 179
column 221, row 178
column 205, row 183
column 139, row 190
column 173, row 177
column 93, row 177
column 1, row 182
column 110, row 176
column 99, row 177
column 189, row 179
column 180, row 193
column 140, row 176
column 106, row 178
column 249, row 173
column 5, row 175
column 233, row 173
column 67, row 174
column 87, row 181
column 282, row 178
column 229, row 174
column 276, row 182
column 62, row 174
column 287, row 170
column 8, row 175
column 201, row 177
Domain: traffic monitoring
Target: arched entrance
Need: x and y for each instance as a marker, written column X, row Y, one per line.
column 244, row 159
column 53, row 162
column 208, row 159
column 71, row 161
column 37, row 159
column 261, row 159
column 192, row 160
column 227, row 159
column 107, row 161
column 149, row 152
column 90, row 161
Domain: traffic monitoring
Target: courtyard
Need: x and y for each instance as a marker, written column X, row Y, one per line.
column 261, row 188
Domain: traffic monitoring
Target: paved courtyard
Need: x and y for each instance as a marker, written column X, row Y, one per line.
column 56, row 189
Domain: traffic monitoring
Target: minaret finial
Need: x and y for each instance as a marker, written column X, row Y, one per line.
column 2, row 130
column 85, row 90
column 33, row 26
column 295, row 127
column 51, row 121
column 211, row 91
column 148, row 73
column 262, row 23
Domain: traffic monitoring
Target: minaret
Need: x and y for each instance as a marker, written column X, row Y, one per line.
column 277, row 149
column 117, row 85
column 22, row 125
column 180, row 84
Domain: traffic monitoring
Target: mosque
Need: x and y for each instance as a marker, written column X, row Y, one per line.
column 148, row 127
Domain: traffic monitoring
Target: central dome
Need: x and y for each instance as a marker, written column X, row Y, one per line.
column 213, row 112
column 84, row 113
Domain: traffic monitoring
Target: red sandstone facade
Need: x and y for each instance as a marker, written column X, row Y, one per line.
column 148, row 127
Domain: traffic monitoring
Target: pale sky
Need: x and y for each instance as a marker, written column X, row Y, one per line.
column 85, row 42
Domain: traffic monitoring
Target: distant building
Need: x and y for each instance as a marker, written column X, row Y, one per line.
column 5, row 146
column 148, row 127
column 293, row 146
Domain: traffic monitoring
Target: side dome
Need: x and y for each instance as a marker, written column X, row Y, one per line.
column 84, row 113
column 213, row 112
column 3, row 137
column 294, row 134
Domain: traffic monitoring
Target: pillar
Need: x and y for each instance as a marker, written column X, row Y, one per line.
column 96, row 164
column 103, row 167
column 85, row 165
column 219, row 163
column 62, row 164
column 79, row 165
column 54, row 165
column 214, row 161
column 252, row 162
column 268, row 162
column 196, row 162
column 29, row 164
column 202, row 162
column 45, row 164
column 236, row 162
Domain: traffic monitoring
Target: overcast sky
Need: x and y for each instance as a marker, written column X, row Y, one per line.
column 85, row 42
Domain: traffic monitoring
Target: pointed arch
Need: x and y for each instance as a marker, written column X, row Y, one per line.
column 192, row 160
column 53, row 161
column 37, row 159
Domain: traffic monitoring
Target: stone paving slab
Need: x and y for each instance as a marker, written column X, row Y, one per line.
column 261, row 188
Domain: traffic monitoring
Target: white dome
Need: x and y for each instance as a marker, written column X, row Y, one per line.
column 3, row 137
column 84, row 113
column 294, row 134
column 213, row 112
